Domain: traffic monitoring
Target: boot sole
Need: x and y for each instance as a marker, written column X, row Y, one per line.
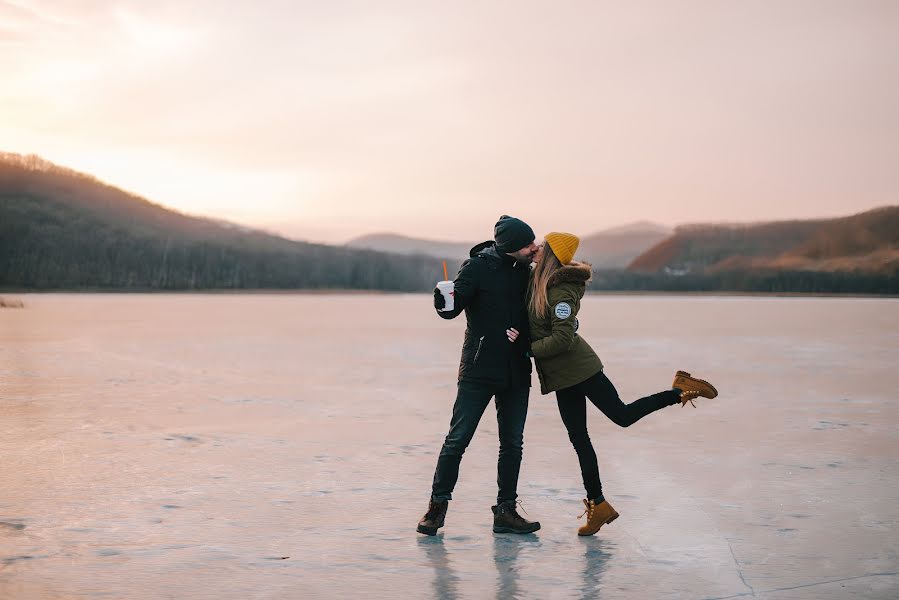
column 612, row 518
column 510, row 530
column 702, row 381
column 427, row 530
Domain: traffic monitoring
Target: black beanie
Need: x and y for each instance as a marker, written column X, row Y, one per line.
column 512, row 234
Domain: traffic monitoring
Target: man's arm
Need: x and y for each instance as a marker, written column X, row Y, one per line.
column 465, row 288
column 562, row 336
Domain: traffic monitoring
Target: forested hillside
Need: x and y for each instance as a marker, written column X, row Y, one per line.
column 63, row 230
column 866, row 242
column 60, row 229
column 855, row 254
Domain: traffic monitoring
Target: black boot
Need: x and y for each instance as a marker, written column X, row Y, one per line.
column 507, row 520
column 433, row 519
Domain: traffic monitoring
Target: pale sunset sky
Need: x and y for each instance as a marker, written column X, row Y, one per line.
column 327, row 120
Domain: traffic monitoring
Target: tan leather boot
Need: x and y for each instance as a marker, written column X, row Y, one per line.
column 692, row 387
column 597, row 516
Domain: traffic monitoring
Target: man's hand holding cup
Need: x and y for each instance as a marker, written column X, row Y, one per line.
column 444, row 296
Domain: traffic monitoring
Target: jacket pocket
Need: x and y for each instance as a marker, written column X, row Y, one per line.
column 478, row 351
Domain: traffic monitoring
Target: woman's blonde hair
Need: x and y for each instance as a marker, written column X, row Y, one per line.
column 538, row 303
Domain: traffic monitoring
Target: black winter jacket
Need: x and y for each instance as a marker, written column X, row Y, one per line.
column 491, row 289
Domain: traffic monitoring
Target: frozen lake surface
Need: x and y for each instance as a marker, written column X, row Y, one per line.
column 282, row 446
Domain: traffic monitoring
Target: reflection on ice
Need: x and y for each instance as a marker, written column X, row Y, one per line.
column 598, row 552
column 506, row 548
column 444, row 581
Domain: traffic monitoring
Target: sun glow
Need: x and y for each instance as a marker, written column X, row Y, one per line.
column 154, row 37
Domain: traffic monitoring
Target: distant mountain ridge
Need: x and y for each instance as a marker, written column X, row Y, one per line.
column 401, row 244
column 615, row 248
column 865, row 242
column 637, row 227
column 612, row 248
column 60, row 229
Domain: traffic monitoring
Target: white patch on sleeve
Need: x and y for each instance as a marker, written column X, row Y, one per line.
column 563, row 310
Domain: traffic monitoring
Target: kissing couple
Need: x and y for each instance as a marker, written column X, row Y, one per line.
column 521, row 300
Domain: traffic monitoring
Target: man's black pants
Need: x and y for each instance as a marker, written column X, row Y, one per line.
column 511, row 411
column 601, row 392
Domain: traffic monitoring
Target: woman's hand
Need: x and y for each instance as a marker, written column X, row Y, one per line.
column 512, row 334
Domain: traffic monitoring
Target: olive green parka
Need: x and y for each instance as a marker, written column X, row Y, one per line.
column 563, row 358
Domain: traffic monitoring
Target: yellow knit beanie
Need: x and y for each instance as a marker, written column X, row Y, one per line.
column 563, row 245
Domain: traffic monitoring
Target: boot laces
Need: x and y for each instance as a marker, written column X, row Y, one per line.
column 688, row 396
column 590, row 506
column 512, row 509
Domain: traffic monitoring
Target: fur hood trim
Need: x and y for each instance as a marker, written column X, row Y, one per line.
column 578, row 272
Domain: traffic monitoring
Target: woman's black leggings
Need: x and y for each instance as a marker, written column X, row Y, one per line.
column 601, row 392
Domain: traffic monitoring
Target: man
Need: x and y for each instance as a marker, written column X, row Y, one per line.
column 490, row 288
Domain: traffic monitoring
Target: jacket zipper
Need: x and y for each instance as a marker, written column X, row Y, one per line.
column 478, row 352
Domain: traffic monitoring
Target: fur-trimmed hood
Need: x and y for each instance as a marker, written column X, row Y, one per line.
column 576, row 272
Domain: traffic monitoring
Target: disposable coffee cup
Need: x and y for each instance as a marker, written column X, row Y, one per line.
column 447, row 290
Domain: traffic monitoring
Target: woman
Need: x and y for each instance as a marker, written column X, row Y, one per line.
column 568, row 366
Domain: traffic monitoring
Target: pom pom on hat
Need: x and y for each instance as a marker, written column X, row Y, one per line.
column 563, row 245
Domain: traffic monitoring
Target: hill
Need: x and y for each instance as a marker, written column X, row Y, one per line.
column 858, row 254
column 866, row 242
column 60, row 229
